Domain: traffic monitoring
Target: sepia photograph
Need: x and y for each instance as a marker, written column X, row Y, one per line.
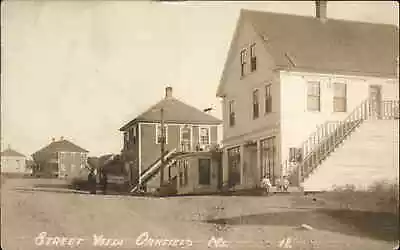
column 199, row 125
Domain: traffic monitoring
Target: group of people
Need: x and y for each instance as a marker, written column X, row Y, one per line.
column 92, row 181
column 266, row 184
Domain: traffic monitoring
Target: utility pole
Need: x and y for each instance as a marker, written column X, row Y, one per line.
column 162, row 148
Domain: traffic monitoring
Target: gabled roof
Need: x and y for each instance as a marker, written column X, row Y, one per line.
column 61, row 146
column 331, row 46
column 175, row 111
column 98, row 162
column 11, row 152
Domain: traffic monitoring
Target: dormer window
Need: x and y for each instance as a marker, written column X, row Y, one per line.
column 243, row 61
column 253, row 58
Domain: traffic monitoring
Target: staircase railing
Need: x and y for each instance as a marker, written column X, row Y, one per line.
column 310, row 144
column 154, row 164
column 152, row 170
column 330, row 143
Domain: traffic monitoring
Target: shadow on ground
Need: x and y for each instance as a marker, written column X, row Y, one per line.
column 54, row 185
column 58, row 191
column 375, row 225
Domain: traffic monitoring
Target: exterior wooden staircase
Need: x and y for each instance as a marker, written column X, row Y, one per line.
column 155, row 168
column 328, row 137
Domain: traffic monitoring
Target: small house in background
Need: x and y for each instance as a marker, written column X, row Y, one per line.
column 62, row 159
column 13, row 162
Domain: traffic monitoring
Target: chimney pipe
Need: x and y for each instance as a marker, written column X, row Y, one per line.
column 168, row 92
column 53, row 139
column 321, row 10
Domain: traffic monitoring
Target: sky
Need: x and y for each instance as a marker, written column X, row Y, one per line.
column 82, row 69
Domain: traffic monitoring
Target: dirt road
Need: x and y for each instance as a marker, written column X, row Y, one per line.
column 89, row 220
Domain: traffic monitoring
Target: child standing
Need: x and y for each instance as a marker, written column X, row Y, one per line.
column 266, row 184
column 285, row 184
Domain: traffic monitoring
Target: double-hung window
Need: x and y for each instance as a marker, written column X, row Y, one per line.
column 268, row 99
column 243, row 61
column 253, row 58
column 232, row 114
column 339, row 97
column 256, row 104
column 313, row 96
column 204, row 135
column 159, row 134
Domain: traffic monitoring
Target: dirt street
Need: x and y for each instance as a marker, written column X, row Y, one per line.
column 39, row 219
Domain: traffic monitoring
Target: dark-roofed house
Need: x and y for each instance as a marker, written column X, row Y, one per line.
column 289, row 82
column 13, row 162
column 62, row 159
column 187, row 129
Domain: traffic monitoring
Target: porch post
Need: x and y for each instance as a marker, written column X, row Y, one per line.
column 225, row 166
column 241, row 164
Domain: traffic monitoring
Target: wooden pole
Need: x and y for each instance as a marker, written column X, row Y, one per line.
column 162, row 148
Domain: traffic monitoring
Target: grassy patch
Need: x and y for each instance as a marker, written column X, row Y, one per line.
column 380, row 197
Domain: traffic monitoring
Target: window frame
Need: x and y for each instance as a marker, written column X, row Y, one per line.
column 209, row 135
column 312, row 83
column 134, row 134
column 181, row 141
column 340, row 98
column 256, row 103
column 268, row 99
column 158, row 125
column 126, row 138
column 231, row 113
column 253, row 58
column 243, row 62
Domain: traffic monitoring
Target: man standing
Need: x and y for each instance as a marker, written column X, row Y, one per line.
column 92, row 181
column 103, row 177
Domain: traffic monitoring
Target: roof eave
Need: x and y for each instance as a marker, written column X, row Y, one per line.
column 228, row 57
column 123, row 128
column 338, row 72
column 217, row 122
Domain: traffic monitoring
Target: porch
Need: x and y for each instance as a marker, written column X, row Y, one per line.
column 246, row 164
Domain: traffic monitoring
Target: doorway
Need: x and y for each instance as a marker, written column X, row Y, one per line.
column 268, row 158
column 234, row 175
column 375, row 95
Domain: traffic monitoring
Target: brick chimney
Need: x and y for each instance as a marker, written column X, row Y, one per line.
column 168, row 92
column 321, row 10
